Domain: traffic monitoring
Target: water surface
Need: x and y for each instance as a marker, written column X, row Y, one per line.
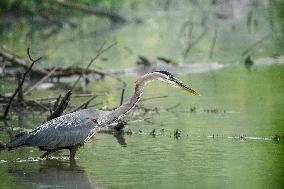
column 247, row 103
column 226, row 135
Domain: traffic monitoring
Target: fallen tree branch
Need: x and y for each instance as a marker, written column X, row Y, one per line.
column 40, row 81
column 84, row 104
column 17, row 62
column 61, row 107
column 20, row 84
column 100, row 52
column 13, row 59
column 72, row 70
column 73, row 96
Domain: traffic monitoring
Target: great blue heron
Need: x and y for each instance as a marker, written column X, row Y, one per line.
column 72, row 130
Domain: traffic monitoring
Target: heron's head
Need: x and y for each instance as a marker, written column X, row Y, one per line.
column 167, row 77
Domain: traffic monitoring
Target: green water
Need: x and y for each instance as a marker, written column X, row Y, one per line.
column 249, row 104
column 226, row 142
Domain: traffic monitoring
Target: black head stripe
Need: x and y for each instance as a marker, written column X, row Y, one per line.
column 165, row 72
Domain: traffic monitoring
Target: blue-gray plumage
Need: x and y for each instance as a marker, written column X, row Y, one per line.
column 65, row 131
column 72, row 130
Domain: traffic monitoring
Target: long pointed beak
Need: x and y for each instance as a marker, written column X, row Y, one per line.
column 185, row 87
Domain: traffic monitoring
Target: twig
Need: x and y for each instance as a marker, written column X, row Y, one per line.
column 150, row 98
column 84, row 104
column 100, row 52
column 40, row 81
column 20, row 84
column 94, row 105
column 20, row 92
column 189, row 39
column 122, row 96
column 254, row 45
column 62, row 106
column 40, row 105
column 124, row 84
column 55, row 105
column 193, row 43
column 213, row 43
column 18, row 62
column 73, row 96
column 172, row 107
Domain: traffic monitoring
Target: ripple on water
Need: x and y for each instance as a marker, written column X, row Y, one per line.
column 3, row 161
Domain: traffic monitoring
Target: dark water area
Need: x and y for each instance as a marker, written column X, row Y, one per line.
column 229, row 137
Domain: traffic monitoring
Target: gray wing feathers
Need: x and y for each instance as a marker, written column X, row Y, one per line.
column 68, row 130
column 18, row 142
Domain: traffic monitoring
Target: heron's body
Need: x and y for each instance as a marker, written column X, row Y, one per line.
column 72, row 130
column 62, row 132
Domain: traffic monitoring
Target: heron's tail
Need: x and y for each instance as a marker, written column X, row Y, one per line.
column 20, row 140
column 2, row 146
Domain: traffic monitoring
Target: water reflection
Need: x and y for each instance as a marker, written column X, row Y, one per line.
column 54, row 173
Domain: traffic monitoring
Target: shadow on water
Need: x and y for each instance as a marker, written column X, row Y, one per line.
column 53, row 173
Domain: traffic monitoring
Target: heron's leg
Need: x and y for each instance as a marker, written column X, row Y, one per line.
column 73, row 150
column 47, row 153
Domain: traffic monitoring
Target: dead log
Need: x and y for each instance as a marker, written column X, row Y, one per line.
column 71, row 71
column 61, row 107
column 19, row 62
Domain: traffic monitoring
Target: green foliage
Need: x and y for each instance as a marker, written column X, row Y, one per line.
column 8, row 5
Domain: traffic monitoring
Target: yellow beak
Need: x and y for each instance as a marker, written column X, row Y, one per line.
column 185, row 87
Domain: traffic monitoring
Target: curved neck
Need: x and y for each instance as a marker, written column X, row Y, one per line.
column 130, row 103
